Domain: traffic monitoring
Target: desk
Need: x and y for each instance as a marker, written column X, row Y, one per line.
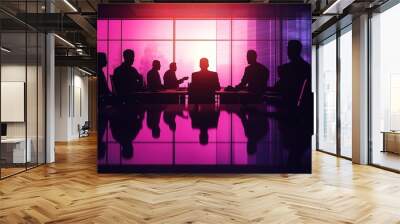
column 13, row 150
column 391, row 141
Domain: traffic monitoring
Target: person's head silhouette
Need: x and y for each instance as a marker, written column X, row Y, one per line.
column 294, row 49
column 155, row 132
column 156, row 65
column 101, row 60
column 203, row 137
column 251, row 57
column 204, row 64
column 129, row 56
column 172, row 66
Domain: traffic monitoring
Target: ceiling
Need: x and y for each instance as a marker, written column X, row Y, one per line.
column 75, row 20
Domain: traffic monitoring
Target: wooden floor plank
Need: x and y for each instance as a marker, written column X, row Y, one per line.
column 71, row 191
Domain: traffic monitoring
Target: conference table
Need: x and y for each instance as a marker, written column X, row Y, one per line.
column 181, row 96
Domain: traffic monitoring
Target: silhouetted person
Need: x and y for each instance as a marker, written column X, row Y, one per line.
column 255, row 125
column 204, row 84
column 153, row 119
column 204, row 117
column 103, row 91
column 295, row 86
column 170, row 80
column 153, row 77
column 101, row 78
column 127, row 79
column 126, row 123
column 255, row 76
column 297, row 106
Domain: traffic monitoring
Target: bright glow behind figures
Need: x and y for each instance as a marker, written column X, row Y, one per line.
column 223, row 42
column 179, row 137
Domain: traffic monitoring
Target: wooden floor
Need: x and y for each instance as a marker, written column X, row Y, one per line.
column 71, row 191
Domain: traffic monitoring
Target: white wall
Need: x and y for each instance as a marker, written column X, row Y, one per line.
column 33, row 127
column 71, row 102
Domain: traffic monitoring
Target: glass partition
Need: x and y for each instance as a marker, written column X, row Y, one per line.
column 346, row 93
column 22, row 92
column 327, row 96
column 385, row 89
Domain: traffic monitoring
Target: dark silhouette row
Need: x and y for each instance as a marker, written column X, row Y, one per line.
column 294, row 82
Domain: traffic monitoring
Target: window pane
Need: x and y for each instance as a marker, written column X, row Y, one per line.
column 346, row 94
column 189, row 62
column 102, row 29
column 196, row 29
column 385, row 87
column 114, row 56
column 253, row 30
column 147, row 51
column 115, row 29
column 13, row 83
column 147, row 29
column 296, row 30
column 160, row 154
column 202, row 29
column 327, row 97
column 265, row 55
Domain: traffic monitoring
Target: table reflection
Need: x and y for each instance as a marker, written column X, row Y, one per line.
column 178, row 137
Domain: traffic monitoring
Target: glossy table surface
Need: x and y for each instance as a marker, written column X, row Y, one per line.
column 200, row 138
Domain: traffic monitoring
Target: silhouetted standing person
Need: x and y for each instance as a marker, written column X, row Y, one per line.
column 255, row 76
column 204, row 84
column 295, row 85
column 170, row 80
column 153, row 77
column 127, row 79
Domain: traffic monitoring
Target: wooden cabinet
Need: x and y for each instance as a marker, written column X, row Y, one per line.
column 391, row 141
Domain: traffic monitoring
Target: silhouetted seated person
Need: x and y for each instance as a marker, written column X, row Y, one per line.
column 103, row 91
column 295, row 85
column 153, row 77
column 153, row 119
column 204, row 84
column 204, row 117
column 255, row 76
column 170, row 80
column 255, row 125
column 126, row 79
column 170, row 113
column 126, row 123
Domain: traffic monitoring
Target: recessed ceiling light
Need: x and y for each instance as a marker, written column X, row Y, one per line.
column 5, row 50
column 64, row 40
column 70, row 5
column 84, row 71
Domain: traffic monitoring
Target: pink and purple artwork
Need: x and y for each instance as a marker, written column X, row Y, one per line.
column 238, row 57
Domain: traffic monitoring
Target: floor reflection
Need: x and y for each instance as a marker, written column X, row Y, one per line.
column 237, row 138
